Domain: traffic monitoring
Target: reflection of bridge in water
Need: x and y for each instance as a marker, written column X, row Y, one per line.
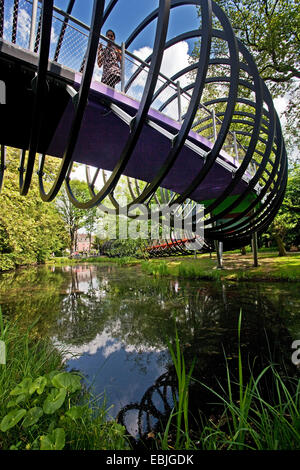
column 207, row 134
column 206, row 321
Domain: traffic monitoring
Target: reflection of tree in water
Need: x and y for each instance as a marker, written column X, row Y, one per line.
column 81, row 309
column 208, row 332
column 141, row 312
column 30, row 293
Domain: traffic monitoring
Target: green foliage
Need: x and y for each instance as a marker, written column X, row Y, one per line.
column 244, row 418
column 270, row 29
column 156, row 269
column 45, row 395
column 285, row 228
column 181, row 410
column 73, row 217
column 44, row 407
column 30, row 230
column 11, row 419
column 126, row 248
column 44, row 411
column 54, row 440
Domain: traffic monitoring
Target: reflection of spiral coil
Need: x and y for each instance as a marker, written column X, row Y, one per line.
column 239, row 113
column 151, row 414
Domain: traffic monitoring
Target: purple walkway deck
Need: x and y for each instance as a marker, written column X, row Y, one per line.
column 103, row 135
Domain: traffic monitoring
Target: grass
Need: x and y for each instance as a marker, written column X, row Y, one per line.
column 29, row 356
column 247, row 418
column 252, row 422
column 122, row 261
column 236, row 267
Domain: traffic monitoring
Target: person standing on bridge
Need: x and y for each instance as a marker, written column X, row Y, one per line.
column 110, row 57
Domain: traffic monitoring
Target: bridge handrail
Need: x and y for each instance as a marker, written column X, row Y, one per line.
column 169, row 82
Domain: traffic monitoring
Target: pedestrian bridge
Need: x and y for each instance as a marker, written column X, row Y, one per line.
column 208, row 134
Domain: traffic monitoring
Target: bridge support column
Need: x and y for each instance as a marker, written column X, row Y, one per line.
column 33, row 24
column 254, row 249
column 123, row 68
column 219, row 251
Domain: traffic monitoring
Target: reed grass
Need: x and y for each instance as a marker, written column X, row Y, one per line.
column 247, row 419
column 181, row 408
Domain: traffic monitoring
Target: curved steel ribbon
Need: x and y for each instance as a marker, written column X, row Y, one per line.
column 237, row 210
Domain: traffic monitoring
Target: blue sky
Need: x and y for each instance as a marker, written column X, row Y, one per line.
column 124, row 18
column 129, row 13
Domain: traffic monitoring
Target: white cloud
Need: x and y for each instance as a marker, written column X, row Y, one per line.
column 23, row 28
column 54, row 36
column 280, row 104
column 175, row 59
column 102, row 341
column 24, row 22
column 143, row 52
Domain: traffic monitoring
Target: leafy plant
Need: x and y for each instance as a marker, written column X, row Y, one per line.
column 34, row 401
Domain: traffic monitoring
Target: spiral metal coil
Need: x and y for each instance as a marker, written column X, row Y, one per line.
column 243, row 117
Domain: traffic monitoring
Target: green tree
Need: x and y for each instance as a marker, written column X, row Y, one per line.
column 285, row 228
column 90, row 222
column 270, row 30
column 71, row 215
column 30, row 230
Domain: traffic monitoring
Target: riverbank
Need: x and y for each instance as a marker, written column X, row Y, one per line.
column 42, row 407
column 236, row 267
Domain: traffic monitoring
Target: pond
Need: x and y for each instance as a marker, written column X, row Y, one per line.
column 115, row 322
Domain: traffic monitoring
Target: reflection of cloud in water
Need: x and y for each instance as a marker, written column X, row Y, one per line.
column 122, row 372
column 101, row 341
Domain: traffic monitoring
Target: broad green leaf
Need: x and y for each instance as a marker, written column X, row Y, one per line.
column 38, row 385
column 32, row 417
column 11, row 404
column 54, row 401
column 22, row 387
column 11, row 419
column 54, row 440
column 68, row 381
column 22, row 397
column 76, row 412
column 50, row 376
column 18, row 400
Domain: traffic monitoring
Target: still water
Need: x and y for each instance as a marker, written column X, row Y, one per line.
column 115, row 323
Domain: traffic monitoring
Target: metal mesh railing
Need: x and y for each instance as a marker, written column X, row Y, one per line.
column 69, row 40
column 236, row 114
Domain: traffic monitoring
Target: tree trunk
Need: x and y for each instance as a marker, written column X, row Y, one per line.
column 243, row 250
column 71, row 246
column 281, row 247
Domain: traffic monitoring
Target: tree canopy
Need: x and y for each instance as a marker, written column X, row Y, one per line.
column 30, row 230
column 270, row 29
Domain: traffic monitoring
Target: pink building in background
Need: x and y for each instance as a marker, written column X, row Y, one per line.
column 83, row 243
